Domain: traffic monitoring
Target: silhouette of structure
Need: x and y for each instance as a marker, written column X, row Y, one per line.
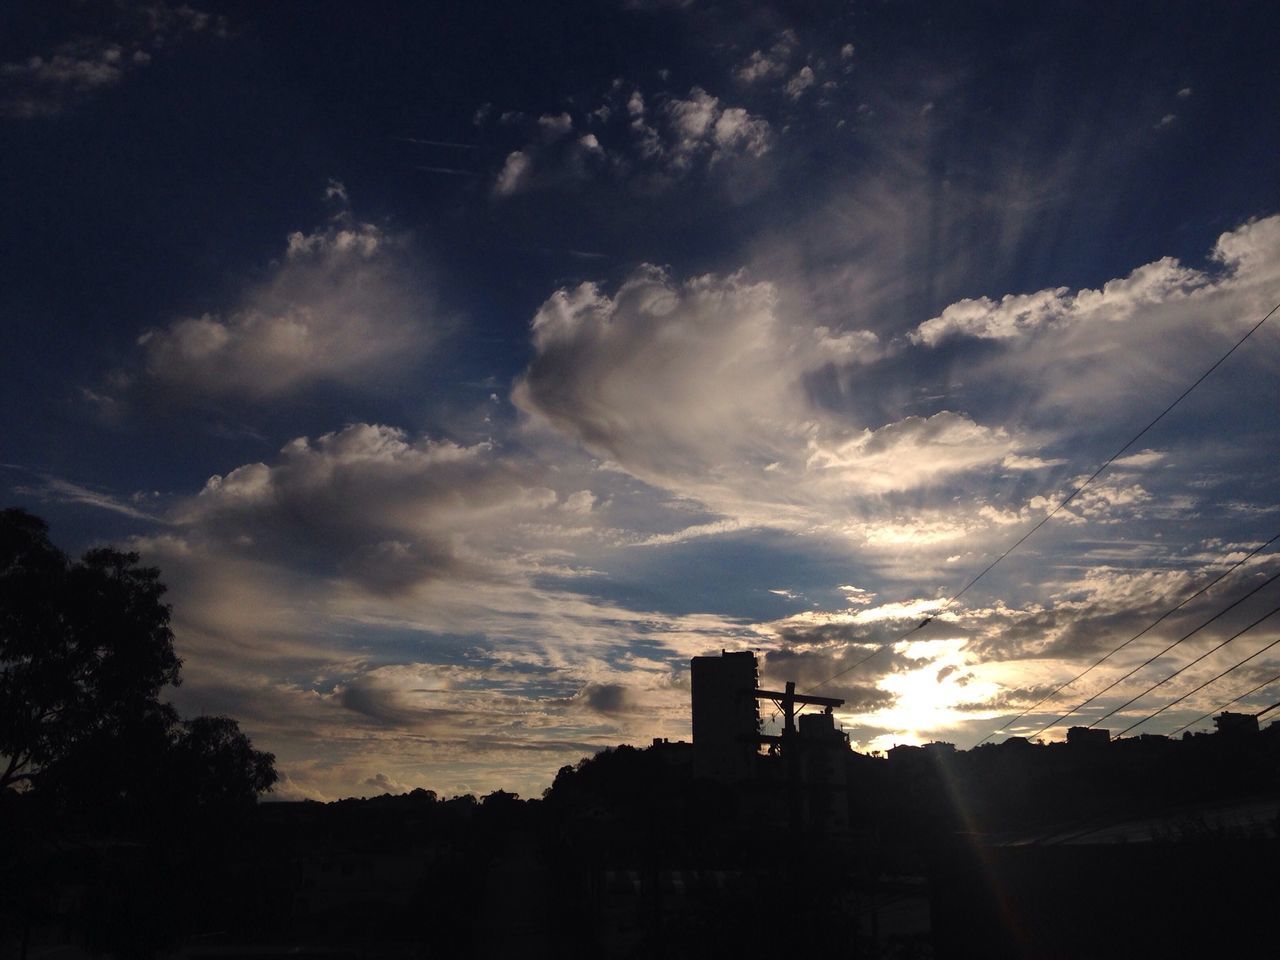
column 1235, row 724
column 1082, row 736
column 727, row 739
column 726, row 720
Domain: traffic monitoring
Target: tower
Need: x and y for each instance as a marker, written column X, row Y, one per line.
column 726, row 721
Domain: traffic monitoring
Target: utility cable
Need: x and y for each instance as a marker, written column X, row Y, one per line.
column 1097, row 663
column 1181, row 670
column 1151, row 659
column 1071, row 496
column 1251, row 656
column 1229, row 703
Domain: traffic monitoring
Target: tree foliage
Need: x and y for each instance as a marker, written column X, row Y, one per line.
column 85, row 651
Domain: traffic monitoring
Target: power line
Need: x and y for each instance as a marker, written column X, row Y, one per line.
column 1181, row 670
column 1151, row 659
column 1248, row 693
column 1089, row 669
column 1251, row 656
column 1071, row 496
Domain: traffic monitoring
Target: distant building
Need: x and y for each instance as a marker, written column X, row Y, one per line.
column 726, row 720
column 1080, row 736
column 1236, row 724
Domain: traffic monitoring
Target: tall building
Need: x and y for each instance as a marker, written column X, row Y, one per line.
column 726, row 720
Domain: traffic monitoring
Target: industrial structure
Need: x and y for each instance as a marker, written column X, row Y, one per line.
column 807, row 761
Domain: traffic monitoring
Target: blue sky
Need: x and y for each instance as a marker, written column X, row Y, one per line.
column 468, row 368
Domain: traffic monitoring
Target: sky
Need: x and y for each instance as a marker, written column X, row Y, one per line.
column 466, row 368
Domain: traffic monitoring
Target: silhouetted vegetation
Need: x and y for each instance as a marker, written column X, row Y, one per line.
column 102, row 786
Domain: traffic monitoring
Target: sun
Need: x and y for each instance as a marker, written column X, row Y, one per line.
column 927, row 699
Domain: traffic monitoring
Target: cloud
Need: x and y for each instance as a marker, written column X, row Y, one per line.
column 365, row 503
column 798, row 84
column 555, row 125
column 1246, row 255
column 702, row 387
column 652, row 145
column 1019, row 314
column 768, row 66
column 47, row 83
column 380, row 783
column 1079, row 353
column 514, row 172
column 52, row 489
column 342, row 305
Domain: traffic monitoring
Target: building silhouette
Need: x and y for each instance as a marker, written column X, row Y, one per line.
column 726, row 718
column 1235, row 724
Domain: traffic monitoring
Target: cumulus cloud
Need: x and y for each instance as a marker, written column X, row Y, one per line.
column 514, row 172
column 365, row 503
column 1018, row 314
column 770, row 65
column 1245, row 255
column 802, row 81
column 341, row 306
column 1091, row 350
column 701, row 386
column 653, row 144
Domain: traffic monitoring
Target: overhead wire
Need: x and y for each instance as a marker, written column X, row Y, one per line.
column 1180, row 671
column 1097, row 663
column 1152, row 659
column 1252, row 656
column 1052, row 513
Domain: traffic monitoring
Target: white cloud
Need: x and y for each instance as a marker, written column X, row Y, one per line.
column 342, row 305
column 555, row 125
column 798, row 84
column 514, row 173
column 1143, row 458
column 700, row 387
column 1017, row 314
column 661, row 143
column 1016, row 461
column 1091, row 350
column 736, row 132
column 768, row 66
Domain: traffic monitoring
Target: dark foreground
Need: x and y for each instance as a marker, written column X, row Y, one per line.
column 1146, row 847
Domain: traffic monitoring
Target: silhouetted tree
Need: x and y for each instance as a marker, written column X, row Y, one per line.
column 85, row 649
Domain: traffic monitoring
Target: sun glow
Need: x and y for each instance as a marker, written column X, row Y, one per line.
column 927, row 697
